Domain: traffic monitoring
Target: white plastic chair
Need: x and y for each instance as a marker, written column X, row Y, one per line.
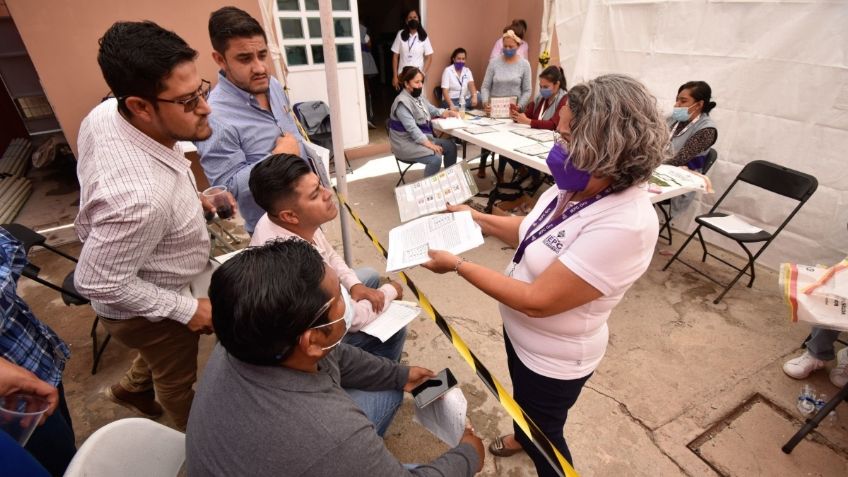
column 132, row 447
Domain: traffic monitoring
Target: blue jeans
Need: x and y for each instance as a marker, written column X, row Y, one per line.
column 379, row 406
column 820, row 344
column 52, row 443
column 433, row 162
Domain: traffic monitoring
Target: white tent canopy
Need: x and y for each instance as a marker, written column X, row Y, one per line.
column 779, row 73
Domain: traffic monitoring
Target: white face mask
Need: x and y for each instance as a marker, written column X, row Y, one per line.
column 347, row 317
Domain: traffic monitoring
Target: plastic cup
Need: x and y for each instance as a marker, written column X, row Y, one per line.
column 20, row 414
column 217, row 195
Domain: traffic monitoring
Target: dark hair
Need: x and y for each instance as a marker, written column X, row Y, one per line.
column 408, row 73
column 404, row 35
column 265, row 297
column 274, row 179
column 518, row 26
column 230, row 22
column 554, row 74
column 456, row 52
column 700, row 91
column 137, row 57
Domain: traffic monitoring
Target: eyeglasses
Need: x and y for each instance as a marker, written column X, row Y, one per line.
column 190, row 104
column 321, row 311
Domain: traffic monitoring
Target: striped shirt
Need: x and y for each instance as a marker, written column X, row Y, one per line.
column 24, row 340
column 140, row 221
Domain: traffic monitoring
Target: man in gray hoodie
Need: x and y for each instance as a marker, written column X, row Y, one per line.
column 271, row 400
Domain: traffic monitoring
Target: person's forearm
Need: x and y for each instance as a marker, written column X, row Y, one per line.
column 394, row 64
column 504, row 228
column 428, row 59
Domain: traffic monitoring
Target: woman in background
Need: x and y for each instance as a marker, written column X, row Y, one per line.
column 693, row 132
column 518, row 26
column 411, row 48
column 458, row 83
column 410, row 130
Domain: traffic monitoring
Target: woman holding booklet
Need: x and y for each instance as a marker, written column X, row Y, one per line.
column 578, row 251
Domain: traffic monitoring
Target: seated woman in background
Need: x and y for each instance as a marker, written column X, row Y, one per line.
column 693, row 132
column 542, row 112
column 410, row 131
column 506, row 75
column 458, row 83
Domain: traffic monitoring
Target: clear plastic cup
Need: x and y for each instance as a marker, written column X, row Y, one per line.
column 20, row 414
column 219, row 198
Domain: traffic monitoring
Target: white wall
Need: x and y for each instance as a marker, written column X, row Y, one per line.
column 779, row 73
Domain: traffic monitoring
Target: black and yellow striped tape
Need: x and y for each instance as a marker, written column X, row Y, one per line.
column 530, row 429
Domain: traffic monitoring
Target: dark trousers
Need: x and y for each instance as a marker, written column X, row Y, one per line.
column 52, row 444
column 547, row 401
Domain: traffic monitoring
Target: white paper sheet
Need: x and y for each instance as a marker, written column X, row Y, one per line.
column 480, row 130
column 408, row 243
column 394, row 317
column 447, row 124
column 486, row 122
column 536, row 149
column 445, row 417
column 732, row 225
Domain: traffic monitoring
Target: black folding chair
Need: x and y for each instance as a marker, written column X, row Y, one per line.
column 30, row 238
column 766, row 175
column 665, row 205
column 408, row 162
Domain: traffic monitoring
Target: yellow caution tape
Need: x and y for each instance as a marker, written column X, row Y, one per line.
column 524, row 422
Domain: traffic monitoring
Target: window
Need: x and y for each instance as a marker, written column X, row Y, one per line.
column 300, row 32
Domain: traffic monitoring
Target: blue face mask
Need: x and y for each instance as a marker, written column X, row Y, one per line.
column 680, row 114
column 459, row 65
column 546, row 92
column 509, row 52
column 347, row 317
column 566, row 176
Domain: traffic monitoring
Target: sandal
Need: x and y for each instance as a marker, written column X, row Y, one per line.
column 497, row 448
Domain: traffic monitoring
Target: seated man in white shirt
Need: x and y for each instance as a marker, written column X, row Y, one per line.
column 296, row 205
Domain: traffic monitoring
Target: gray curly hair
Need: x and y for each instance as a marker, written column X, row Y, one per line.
column 616, row 130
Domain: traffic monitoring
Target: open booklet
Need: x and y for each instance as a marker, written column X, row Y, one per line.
column 453, row 185
column 408, row 243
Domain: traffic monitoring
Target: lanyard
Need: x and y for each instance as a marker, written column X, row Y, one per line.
column 409, row 45
column 684, row 129
column 566, row 214
column 461, row 78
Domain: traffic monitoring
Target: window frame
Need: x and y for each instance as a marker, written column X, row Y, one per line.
column 307, row 41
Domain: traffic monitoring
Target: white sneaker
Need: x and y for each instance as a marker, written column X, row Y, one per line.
column 802, row 366
column 839, row 374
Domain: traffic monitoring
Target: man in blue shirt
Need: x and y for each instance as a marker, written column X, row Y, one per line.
column 251, row 116
column 27, row 342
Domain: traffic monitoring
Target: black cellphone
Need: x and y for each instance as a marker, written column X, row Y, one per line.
column 432, row 389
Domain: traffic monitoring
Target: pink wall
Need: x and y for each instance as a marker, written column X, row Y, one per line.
column 62, row 42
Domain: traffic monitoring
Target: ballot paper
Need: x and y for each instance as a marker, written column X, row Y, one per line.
column 500, row 106
column 486, row 121
column 536, row 149
column 447, row 124
column 445, row 417
column 476, row 112
column 542, row 135
column 525, row 132
column 408, row 243
column 480, row 130
column 394, row 317
column 732, row 225
column 452, row 185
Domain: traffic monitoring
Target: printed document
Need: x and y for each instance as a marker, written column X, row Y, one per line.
column 445, row 417
column 446, row 124
column 453, row 185
column 394, row 317
column 500, row 106
column 408, row 243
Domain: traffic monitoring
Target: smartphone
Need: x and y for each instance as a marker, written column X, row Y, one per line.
column 432, row 389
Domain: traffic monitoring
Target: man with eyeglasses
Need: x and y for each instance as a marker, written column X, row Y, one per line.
column 252, row 117
column 271, row 400
column 140, row 219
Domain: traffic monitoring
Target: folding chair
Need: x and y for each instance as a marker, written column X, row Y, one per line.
column 665, row 205
column 30, row 238
column 766, row 175
column 409, row 162
column 314, row 116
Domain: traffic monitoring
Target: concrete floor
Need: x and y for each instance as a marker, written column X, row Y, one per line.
column 686, row 387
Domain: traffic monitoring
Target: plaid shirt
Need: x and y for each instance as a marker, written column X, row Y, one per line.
column 24, row 340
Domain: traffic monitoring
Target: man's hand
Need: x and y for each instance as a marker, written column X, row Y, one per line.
column 14, row 378
column 417, row 375
column 376, row 297
column 201, row 321
column 469, row 437
column 440, row 261
column 286, row 144
column 398, row 288
column 209, row 208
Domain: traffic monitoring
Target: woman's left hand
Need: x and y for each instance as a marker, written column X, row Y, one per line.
column 520, row 118
column 450, row 113
column 441, row 261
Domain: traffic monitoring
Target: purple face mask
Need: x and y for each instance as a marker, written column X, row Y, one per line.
column 566, row 176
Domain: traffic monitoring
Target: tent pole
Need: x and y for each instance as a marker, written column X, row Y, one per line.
column 328, row 35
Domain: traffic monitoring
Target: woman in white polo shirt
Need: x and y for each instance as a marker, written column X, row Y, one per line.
column 577, row 252
column 458, row 86
column 411, row 48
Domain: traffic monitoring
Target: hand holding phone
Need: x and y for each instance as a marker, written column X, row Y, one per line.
column 432, row 389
